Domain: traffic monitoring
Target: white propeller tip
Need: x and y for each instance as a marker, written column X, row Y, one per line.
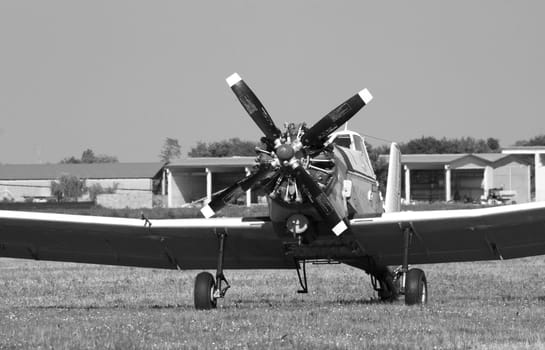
column 233, row 79
column 339, row 228
column 365, row 96
column 207, row 212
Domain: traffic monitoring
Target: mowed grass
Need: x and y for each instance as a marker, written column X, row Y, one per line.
column 483, row 305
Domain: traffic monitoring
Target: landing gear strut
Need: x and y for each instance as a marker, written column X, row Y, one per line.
column 412, row 282
column 383, row 283
column 302, row 275
column 207, row 292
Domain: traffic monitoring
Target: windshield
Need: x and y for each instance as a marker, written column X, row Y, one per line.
column 342, row 140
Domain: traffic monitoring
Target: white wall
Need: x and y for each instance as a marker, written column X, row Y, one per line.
column 540, row 177
column 514, row 177
column 123, row 184
column 19, row 189
column 132, row 200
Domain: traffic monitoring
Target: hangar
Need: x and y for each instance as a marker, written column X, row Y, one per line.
column 538, row 153
column 135, row 183
column 195, row 179
column 427, row 177
column 465, row 177
column 138, row 185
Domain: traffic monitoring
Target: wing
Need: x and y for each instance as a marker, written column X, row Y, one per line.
column 455, row 235
column 180, row 243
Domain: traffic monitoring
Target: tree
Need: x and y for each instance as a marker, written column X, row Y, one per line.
column 493, row 144
column 97, row 189
column 426, row 145
column 534, row 141
column 225, row 148
column 71, row 160
column 380, row 165
column 171, row 150
column 68, row 188
column 88, row 157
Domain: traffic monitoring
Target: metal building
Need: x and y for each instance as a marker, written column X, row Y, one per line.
column 196, row 179
column 466, row 177
column 135, row 183
column 538, row 155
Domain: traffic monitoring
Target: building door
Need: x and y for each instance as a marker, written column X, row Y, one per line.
column 428, row 185
column 467, row 185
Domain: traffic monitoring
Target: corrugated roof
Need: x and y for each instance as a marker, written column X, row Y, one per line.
column 524, row 150
column 530, row 148
column 205, row 162
column 430, row 158
column 491, row 157
column 83, row 171
column 447, row 158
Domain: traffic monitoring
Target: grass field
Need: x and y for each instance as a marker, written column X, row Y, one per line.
column 485, row 305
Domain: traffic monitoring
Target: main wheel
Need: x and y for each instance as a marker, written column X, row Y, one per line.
column 204, row 291
column 416, row 287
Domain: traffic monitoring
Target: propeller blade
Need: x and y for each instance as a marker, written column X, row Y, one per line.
column 319, row 132
column 320, row 201
column 269, row 184
column 233, row 191
column 254, row 107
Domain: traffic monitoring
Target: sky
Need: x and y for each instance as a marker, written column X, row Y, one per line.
column 119, row 77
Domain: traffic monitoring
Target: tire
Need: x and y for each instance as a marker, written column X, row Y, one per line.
column 204, row 291
column 416, row 288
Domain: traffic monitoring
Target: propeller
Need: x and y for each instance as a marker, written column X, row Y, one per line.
column 255, row 108
column 234, row 191
column 320, row 201
column 288, row 155
column 319, row 132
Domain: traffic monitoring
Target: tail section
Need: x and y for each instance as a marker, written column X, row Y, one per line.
column 393, row 187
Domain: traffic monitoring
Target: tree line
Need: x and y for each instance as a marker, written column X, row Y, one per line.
column 88, row 157
column 171, row 149
column 423, row 145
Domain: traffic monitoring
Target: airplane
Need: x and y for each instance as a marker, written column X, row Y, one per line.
column 325, row 206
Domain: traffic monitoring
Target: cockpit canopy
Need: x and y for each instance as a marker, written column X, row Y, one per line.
column 354, row 142
column 348, row 139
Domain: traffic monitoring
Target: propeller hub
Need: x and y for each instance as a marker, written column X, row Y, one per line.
column 284, row 152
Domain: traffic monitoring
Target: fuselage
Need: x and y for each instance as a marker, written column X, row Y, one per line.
column 343, row 170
